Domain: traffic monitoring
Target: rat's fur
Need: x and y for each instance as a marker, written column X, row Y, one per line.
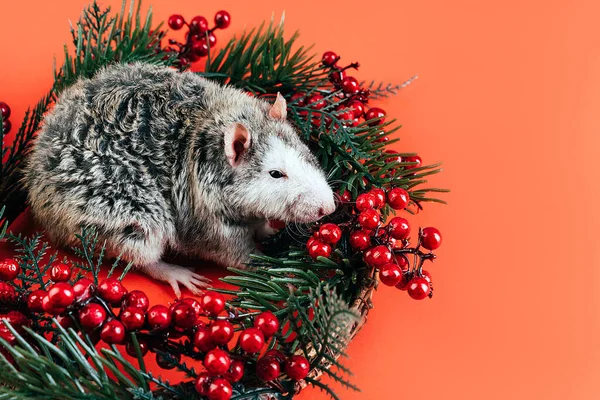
column 139, row 153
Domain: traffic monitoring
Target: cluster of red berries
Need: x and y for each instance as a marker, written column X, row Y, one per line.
column 92, row 309
column 224, row 368
column 199, row 38
column 321, row 242
column 9, row 270
column 5, row 112
column 384, row 248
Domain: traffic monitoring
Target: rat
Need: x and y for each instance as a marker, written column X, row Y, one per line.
column 154, row 159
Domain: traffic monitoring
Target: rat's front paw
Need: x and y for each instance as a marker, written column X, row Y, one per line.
column 175, row 275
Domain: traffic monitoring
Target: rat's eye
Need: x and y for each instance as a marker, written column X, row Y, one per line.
column 276, row 174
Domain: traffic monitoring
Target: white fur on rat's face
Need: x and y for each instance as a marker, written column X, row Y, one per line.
column 301, row 194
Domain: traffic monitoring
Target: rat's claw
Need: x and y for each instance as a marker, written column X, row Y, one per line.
column 175, row 287
column 175, row 275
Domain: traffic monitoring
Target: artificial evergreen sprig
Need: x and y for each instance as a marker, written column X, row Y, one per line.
column 263, row 61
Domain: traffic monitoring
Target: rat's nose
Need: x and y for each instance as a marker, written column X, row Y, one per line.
column 328, row 209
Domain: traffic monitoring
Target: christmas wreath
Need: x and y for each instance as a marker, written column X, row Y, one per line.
column 66, row 333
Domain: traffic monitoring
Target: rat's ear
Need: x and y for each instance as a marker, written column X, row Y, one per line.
column 279, row 108
column 237, row 141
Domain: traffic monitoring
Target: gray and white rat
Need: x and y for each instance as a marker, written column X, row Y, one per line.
column 155, row 159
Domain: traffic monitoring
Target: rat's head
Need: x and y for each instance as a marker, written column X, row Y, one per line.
column 275, row 176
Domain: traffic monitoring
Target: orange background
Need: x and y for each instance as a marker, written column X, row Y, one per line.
column 507, row 97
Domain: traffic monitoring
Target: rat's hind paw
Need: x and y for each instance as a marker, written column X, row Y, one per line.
column 175, row 275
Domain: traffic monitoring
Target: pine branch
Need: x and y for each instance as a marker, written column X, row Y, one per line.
column 382, row 90
column 262, row 61
column 71, row 369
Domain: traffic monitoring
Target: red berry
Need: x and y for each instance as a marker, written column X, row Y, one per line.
column 278, row 354
column 390, row 274
column 65, row 321
column 17, row 319
column 357, row 107
column 213, row 303
column 268, row 369
column 9, row 268
column 378, row 256
column 298, row 99
column 404, row 280
column 369, row 219
column 203, row 340
column 34, row 300
column 350, row 85
column 217, row 361
column 192, row 56
column 51, row 308
column 399, row 228
column 366, row 201
column 158, row 317
column 329, row 58
column 133, row 318
column 113, row 332
column 316, row 101
column 310, row 241
column 60, row 272
column 195, row 304
column 267, row 322
column 176, row 22
column 394, row 158
column 210, row 39
column 222, row 19
column 297, row 367
column 200, row 48
column 198, row 24
column 379, row 197
column 61, row 295
column 130, row 348
column 8, row 295
column 398, row 198
column 431, row 238
column 251, row 340
column 112, row 291
column 221, row 331
column 346, row 116
column 427, row 276
column 92, row 316
column 136, row 298
column 82, row 289
column 184, row 316
column 6, row 126
column 165, row 363
column 330, row 233
column 375, row 113
column 202, row 383
column 318, row 249
column 236, row 371
column 345, row 196
column 412, row 159
column 418, row 288
column 8, row 336
column 402, row 262
column 360, row 240
column 337, row 76
column 219, row 389
column 4, row 110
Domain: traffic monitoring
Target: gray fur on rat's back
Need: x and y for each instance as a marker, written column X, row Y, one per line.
column 137, row 152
